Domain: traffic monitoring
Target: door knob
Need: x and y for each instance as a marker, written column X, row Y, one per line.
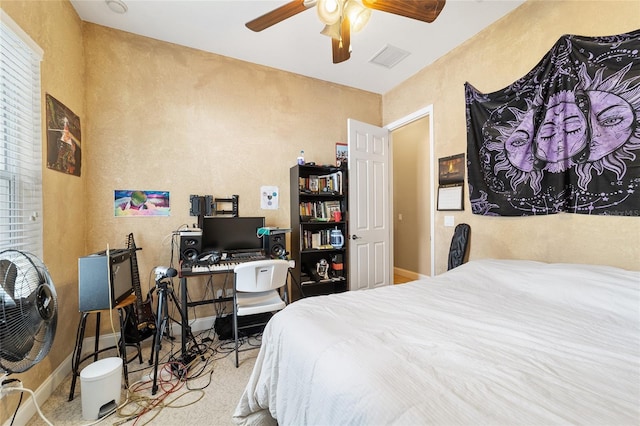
column 354, row 237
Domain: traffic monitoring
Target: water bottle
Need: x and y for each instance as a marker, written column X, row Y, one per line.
column 301, row 158
column 336, row 239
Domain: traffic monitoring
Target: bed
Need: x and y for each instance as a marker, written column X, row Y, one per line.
column 490, row 342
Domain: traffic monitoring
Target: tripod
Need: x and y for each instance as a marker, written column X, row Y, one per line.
column 165, row 291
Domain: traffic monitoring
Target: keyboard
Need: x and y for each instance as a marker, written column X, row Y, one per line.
column 232, row 260
column 217, row 267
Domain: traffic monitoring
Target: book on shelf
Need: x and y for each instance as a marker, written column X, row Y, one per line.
column 307, row 280
column 330, row 183
column 319, row 210
column 317, row 239
column 314, row 184
column 330, row 207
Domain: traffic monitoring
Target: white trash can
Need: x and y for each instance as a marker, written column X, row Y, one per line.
column 100, row 385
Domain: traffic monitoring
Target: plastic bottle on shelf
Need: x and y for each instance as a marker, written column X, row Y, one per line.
column 301, row 158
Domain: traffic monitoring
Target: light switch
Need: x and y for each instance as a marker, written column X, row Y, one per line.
column 448, row 221
column 400, row 216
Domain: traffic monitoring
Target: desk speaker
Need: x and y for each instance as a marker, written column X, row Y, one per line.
column 275, row 246
column 190, row 247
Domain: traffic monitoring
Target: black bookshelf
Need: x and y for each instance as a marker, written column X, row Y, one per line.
column 317, row 191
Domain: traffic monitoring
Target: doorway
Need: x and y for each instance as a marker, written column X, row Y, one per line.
column 412, row 196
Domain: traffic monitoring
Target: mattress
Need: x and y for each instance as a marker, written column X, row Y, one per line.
column 491, row 342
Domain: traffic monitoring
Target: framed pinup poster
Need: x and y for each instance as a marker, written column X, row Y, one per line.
column 63, row 138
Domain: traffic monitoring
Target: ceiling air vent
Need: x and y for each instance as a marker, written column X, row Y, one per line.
column 389, row 56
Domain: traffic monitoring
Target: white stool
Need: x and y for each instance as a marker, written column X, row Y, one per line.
column 100, row 387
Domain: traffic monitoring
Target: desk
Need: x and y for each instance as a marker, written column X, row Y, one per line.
column 223, row 267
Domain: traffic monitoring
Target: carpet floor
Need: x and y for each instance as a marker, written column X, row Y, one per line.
column 206, row 395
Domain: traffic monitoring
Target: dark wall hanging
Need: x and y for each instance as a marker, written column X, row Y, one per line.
column 564, row 138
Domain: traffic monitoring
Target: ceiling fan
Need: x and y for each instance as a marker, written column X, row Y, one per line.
column 343, row 16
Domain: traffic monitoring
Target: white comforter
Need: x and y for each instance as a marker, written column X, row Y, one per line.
column 490, row 342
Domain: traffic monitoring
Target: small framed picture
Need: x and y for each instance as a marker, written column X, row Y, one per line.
column 342, row 154
column 451, row 169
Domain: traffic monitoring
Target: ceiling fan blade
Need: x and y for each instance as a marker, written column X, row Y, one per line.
column 278, row 15
column 422, row 10
column 341, row 47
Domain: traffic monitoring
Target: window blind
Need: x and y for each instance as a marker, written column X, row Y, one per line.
column 20, row 140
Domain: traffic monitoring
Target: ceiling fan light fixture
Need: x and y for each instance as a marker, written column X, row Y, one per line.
column 358, row 14
column 329, row 11
column 117, row 6
column 332, row 31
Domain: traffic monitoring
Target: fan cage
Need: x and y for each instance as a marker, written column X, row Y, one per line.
column 28, row 311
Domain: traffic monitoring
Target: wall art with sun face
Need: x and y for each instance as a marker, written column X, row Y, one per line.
column 564, row 138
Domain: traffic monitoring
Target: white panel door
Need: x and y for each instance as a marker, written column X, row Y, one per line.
column 369, row 206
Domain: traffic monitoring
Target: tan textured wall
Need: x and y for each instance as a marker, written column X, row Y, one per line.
column 165, row 117
column 490, row 61
column 56, row 28
column 159, row 116
column 410, row 177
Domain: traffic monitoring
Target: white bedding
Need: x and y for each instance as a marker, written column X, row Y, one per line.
column 490, row 342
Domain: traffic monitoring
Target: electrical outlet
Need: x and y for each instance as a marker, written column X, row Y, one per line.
column 219, row 293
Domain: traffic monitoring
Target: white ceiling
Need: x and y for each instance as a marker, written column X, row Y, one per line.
column 296, row 44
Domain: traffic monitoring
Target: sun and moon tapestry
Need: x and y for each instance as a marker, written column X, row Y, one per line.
column 563, row 138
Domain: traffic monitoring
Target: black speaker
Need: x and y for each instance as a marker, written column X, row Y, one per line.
column 275, row 246
column 190, row 247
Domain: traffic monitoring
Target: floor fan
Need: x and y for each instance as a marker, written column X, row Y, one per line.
column 28, row 317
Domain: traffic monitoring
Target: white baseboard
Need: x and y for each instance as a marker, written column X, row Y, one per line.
column 44, row 391
column 51, row 383
column 408, row 274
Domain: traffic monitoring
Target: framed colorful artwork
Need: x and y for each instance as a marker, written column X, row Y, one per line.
column 141, row 203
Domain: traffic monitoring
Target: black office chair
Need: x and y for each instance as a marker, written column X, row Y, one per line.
column 459, row 246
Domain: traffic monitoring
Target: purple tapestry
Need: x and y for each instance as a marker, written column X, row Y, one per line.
column 564, row 138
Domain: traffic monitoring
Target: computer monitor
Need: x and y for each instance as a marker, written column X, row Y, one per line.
column 231, row 233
